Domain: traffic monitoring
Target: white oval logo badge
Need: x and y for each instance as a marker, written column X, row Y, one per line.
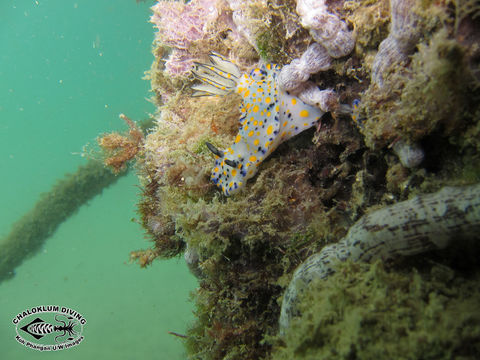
column 49, row 327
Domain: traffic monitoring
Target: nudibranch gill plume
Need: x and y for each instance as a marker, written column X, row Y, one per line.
column 269, row 116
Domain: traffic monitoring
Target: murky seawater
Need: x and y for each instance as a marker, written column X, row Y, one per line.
column 67, row 69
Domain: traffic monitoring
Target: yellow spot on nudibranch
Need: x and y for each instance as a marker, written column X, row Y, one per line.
column 250, row 133
column 269, row 129
column 304, row 113
column 253, row 158
column 255, row 108
column 256, row 142
column 294, row 101
column 238, row 138
column 268, row 100
column 234, row 172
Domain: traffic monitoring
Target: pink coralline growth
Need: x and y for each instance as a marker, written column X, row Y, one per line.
column 179, row 62
column 179, row 25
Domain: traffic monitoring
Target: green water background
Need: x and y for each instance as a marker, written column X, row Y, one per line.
column 67, row 70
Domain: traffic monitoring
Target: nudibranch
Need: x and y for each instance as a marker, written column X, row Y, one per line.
column 269, row 116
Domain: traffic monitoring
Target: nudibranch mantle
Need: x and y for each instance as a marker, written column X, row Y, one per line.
column 269, row 116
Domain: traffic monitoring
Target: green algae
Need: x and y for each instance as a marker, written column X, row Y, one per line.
column 437, row 73
column 269, row 46
column 365, row 312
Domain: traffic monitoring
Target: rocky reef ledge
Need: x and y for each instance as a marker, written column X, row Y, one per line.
column 397, row 84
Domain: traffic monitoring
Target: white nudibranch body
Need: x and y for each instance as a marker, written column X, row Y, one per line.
column 269, row 116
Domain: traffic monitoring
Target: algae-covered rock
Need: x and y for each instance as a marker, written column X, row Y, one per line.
column 368, row 312
column 415, row 226
column 396, row 129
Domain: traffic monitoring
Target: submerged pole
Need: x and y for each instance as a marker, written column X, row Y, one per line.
column 32, row 230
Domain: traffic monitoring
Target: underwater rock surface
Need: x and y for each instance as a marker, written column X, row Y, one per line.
column 411, row 227
column 394, row 130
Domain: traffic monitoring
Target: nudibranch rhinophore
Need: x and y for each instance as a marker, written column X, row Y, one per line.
column 269, row 116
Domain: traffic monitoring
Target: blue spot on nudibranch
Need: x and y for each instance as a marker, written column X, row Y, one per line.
column 271, row 116
column 357, row 118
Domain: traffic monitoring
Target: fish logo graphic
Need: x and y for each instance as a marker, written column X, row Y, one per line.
column 39, row 328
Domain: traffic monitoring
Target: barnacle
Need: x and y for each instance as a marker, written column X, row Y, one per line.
column 326, row 28
column 409, row 154
column 293, row 75
column 399, row 44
